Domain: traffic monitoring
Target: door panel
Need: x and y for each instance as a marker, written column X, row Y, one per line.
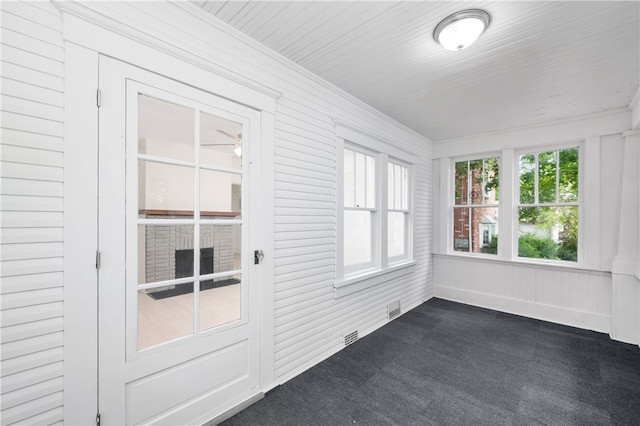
column 178, row 332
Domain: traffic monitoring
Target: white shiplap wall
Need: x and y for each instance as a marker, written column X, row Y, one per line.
column 32, row 218
column 309, row 321
column 575, row 297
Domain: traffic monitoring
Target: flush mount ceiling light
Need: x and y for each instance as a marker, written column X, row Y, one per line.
column 458, row 31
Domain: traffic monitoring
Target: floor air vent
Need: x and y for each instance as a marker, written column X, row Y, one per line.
column 350, row 338
column 393, row 309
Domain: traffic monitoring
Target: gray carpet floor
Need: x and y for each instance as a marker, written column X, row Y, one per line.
column 446, row 363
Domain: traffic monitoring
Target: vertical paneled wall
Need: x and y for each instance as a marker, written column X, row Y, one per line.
column 32, row 217
column 573, row 297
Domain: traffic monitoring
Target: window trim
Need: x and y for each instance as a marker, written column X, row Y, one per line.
column 347, row 282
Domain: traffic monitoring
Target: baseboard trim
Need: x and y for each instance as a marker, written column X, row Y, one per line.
column 556, row 314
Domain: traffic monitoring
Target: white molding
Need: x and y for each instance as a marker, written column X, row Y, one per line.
column 554, row 132
column 267, row 282
column 564, row 266
column 361, row 136
column 80, row 235
column 556, row 314
column 363, row 282
column 80, row 10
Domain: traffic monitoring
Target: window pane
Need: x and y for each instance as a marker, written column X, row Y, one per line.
column 349, row 178
column 175, row 138
column 476, row 172
column 371, row 182
column 220, row 301
column 547, row 177
column 357, row 237
column 461, row 184
column 398, row 186
column 396, row 234
column 475, row 230
column 405, row 189
column 361, row 179
column 164, row 314
column 527, row 179
column 165, row 187
column 548, row 233
column 391, row 187
column 568, row 185
column 491, row 180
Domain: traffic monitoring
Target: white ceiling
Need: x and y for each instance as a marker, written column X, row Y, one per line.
column 538, row 61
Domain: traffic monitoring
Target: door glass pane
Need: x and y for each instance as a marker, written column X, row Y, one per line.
column 164, row 314
column 220, row 142
column 165, row 129
column 357, row 237
column 165, row 252
column 221, row 248
column 165, row 189
column 220, row 301
column 220, row 195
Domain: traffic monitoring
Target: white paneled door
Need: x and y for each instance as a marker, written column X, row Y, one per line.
column 178, row 300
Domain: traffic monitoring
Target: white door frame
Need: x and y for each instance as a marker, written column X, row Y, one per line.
column 80, row 204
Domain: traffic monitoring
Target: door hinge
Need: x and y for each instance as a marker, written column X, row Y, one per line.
column 99, row 98
column 97, row 419
column 97, row 259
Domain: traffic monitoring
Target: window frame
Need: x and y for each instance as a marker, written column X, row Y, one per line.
column 348, row 281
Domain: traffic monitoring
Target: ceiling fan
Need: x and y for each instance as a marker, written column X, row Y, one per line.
column 237, row 139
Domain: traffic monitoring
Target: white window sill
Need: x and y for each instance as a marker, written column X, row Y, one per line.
column 551, row 264
column 352, row 284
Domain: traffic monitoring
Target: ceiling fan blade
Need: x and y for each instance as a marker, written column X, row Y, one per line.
column 237, row 138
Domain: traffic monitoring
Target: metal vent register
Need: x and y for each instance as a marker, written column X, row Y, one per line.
column 350, row 338
column 393, row 309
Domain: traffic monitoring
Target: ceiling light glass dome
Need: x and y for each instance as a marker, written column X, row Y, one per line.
column 458, row 31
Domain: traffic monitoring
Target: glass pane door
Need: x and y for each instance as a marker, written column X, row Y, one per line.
column 189, row 222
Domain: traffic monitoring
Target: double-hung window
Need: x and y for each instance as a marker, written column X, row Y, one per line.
column 475, row 210
column 375, row 206
column 360, row 210
column 540, row 220
column 548, row 204
column 398, row 214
